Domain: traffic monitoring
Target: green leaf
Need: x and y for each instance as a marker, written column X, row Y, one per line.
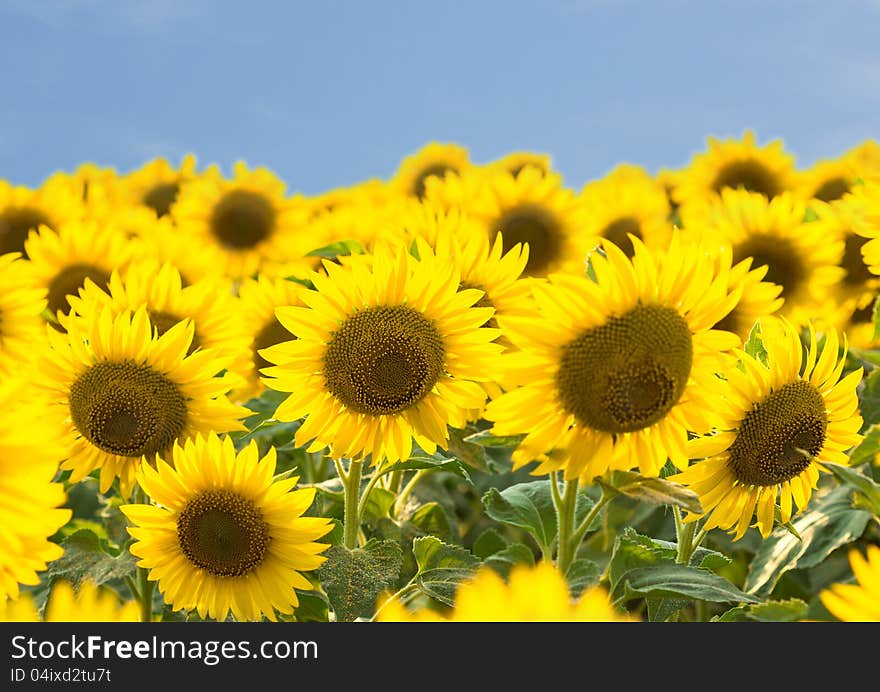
column 432, row 519
column 441, row 583
column 868, row 359
column 353, row 579
column 337, row 249
column 869, row 398
column 791, row 610
column 678, row 581
column 485, row 438
column 867, row 489
column 589, row 270
column 87, row 556
column 379, row 503
column 582, row 574
column 430, row 553
column 868, row 449
column 634, row 551
column 485, row 459
column 431, row 463
column 313, row 606
column 509, row 557
column 657, row 491
column 488, row 543
column 828, row 523
column 754, row 345
column 875, row 317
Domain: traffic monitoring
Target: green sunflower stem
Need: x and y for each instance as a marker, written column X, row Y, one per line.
column 565, row 518
column 351, row 520
column 684, row 534
column 146, row 594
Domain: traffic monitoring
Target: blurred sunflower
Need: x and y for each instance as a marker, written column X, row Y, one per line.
column 259, row 298
column 227, row 535
column 434, row 160
column 531, row 594
column 23, row 210
column 858, row 602
column 768, row 170
column 627, row 202
column 616, row 372
column 129, row 394
column 156, row 185
column 532, row 208
column 30, row 502
column 801, row 256
column 784, row 418
column 244, row 220
column 22, row 301
column 827, row 180
column 388, row 351
column 66, row 260
column 515, row 161
column 86, row 603
column 864, row 204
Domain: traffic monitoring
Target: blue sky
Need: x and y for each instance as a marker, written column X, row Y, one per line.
column 328, row 94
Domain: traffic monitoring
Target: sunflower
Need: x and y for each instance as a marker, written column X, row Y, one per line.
column 864, row 204
column 515, row 161
column 616, row 372
column 209, row 303
column 244, row 220
column 225, row 535
column 88, row 602
column 388, row 351
column 258, row 299
column 77, row 253
column 827, row 180
column 156, row 185
column 532, row 208
column 803, row 257
column 785, row 418
column 768, row 170
column 627, row 201
column 433, row 160
column 22, row 327
column 531, row 594
column 30, row 503
column 23, row 209
column 759, row 298
column 859, row 602
column 129, row 394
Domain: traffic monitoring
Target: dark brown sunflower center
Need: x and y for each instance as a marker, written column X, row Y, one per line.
column 383, row 360
column 69, row 280
column 160, row 197
column 127, row 409
column 863, row 315
column 749, row 174
column 618, row 232
column 832, row 189
column 779, row 436
column 15, row 224
column 242, row 219
column 783, row 262
column 439, row 170
column 272, row 333
column 163, row 321
column 223, row 533
column 536, row 227
column 857, row 272
column 628, row 373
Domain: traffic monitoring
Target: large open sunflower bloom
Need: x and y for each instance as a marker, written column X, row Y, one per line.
column 129, row 394
column 22, row 327
column 858, row 602
column 29, row 501
column 803, row 257
column 85, row 603
column 245, row 221
column 627, row 201
column 388, row 351
column 531, row 594
column 735, row 164
column 784, row 419
column 225, row 535
column 616, row 372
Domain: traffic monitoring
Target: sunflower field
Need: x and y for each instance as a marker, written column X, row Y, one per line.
column 466, row 391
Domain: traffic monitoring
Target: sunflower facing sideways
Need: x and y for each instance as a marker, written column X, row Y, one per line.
column 30, row 502
column 530, row 594
column 129, row 394
column 225, row 535
column 388, row 351
column 156, row 184
column 784, row 418
column 616, row 372
column 859, row 601
column 434, row 160
column 22, row 327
